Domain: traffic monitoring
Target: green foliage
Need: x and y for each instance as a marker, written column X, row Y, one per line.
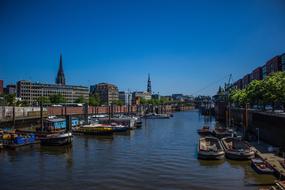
column 154, row 102
column 94, row 100
column 44, row 99
column 143, row 101
column 118, row 102
column 163, row 100
column 57, row 99
column 9, row 99
column 271, row 90
column 81, row 100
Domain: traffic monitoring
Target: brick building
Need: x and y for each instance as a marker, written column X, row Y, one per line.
column 1, row 87
column 108, row 93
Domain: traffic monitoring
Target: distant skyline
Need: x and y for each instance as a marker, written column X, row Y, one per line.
column 188, row 47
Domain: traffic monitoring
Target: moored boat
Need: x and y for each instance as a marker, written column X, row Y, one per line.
column 221, row 132
column 55, row 132
column 210, row 148
column 204, row 131
column 13, row 139
column 237, row 149
column 138, row 123
column 279, row 185
column 157, row 116
column 119, row 128
column 94, row 129
column 261, row 166
column 57, row 139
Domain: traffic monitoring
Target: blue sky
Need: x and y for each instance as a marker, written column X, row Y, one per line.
column 187, row 46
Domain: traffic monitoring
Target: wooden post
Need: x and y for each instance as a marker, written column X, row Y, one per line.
column 41, row 112
column 68, row 123
column 14, row 117
column 245, row 119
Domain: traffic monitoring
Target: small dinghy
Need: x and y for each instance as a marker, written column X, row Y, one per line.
column 261, row 167
column 236, row 149
column 204, row 131
column 210, row 148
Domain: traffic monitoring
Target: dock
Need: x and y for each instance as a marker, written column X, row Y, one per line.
column 272, row 159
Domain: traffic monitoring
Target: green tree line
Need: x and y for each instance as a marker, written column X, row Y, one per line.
column 270, row 91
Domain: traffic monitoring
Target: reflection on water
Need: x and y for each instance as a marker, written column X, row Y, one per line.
column 160, row 155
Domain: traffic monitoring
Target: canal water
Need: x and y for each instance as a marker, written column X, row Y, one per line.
column 160, row 155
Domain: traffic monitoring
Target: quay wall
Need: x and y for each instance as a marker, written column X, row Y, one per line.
column 271, row 125
column 6, row 112
column 115, row 109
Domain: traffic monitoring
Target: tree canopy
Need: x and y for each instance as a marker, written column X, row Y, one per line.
column 94, row 100
column 44, row 99
column 270, row 91
column 57, row 99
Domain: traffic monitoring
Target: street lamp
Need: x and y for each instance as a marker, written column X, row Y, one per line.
column 257, row 135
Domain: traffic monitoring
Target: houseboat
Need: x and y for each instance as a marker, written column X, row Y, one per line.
column 54, row 133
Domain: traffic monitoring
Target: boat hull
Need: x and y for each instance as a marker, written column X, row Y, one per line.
column 205, row 156
column 259, row 170
column 210, row 148
column 204, row 133
column 57, row 141
column 120, row 129
column 239, row 155
column 244, row 153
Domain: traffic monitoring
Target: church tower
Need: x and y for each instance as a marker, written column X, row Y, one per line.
column 60, row 79
column 149, row 84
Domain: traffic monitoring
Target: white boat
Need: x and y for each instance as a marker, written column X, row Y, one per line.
column 210, row 148
column 237, row 149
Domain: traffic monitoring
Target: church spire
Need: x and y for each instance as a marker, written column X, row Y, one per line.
column 60, row 79
column 149, row 84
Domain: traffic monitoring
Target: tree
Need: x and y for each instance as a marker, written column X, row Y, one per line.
column 118, row 102
column 94, row 100
column 143, row 101
column 275, row 89
column 80, row 99
column 163, row 100
column 239, row 97
column 57, row 99
column 271, row 90
column 255, row 92
column 24, row 103
column 10, row 99
column 43, row 99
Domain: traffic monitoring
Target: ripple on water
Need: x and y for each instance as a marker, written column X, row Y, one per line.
column 160, row 155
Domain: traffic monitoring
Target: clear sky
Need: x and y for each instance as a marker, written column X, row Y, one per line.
column 187, row 46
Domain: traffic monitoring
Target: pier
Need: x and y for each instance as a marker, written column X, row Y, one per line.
column 272, row 159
